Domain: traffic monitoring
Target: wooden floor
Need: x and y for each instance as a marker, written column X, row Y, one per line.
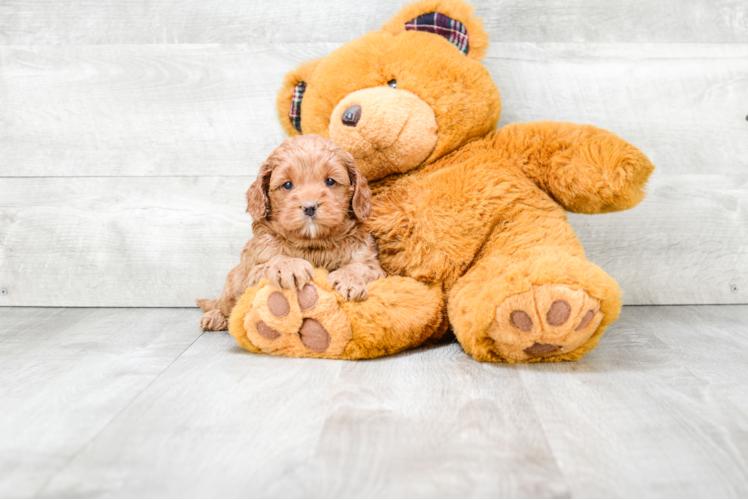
column 140, row 402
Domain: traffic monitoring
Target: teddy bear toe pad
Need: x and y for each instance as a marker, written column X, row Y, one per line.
column 307, row 323
column 278, row 305
column 267, row 332
column 311, row 333
column 544, row 321
column 308, row 297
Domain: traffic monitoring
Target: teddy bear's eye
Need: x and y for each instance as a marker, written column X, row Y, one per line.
column 392, row 83
column 288, row 185
column 330, row 182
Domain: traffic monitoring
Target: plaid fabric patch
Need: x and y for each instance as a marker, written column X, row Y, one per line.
column 451, row 29
column 295, row 114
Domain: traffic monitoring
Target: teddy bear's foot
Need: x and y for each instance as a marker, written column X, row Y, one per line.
column 547, row 306
column 307, row 323
column 317, row 322
column 544, row 322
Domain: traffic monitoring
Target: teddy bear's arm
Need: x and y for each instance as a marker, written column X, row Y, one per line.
column 584, row 168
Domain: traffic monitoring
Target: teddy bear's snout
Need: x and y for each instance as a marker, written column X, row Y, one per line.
column 386, row 130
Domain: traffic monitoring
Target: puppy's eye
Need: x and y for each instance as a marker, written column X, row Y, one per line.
column 392, row 83
column 330, row 182
column 288, row 185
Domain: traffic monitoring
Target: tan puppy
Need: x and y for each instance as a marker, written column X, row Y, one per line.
column 308, row 204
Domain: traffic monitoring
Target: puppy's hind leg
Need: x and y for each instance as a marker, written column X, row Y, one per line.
column 214, row 321
column 207, row 305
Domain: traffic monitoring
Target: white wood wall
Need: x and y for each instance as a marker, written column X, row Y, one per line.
column 130, row 130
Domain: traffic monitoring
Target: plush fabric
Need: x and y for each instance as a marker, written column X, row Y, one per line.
column 470, row 221
column 439, row 24
column 399, row 313
column 295, row 114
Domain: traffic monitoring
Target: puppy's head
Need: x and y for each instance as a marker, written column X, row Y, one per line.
column 309, row 188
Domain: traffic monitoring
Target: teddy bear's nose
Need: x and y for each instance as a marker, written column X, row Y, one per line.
column 352, row 115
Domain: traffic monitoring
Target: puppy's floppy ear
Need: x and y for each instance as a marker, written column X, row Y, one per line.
column 451, row 19
column 361, row 197
column 258, row 203
column 291, row 95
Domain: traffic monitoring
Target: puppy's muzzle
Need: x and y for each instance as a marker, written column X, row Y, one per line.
column 310, row 208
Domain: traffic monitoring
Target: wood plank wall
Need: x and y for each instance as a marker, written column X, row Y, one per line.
column 129, row 132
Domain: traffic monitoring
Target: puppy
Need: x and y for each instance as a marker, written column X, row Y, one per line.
column 308, row 204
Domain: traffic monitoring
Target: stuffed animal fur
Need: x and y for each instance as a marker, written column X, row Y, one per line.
column 470, row 221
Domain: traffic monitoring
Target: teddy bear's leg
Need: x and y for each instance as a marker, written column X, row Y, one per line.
column 531, row 295
column 316, row 322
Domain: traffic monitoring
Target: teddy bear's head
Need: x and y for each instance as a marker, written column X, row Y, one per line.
column 400, row 97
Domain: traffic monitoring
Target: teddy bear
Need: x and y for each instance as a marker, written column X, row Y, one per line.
column 470, row 221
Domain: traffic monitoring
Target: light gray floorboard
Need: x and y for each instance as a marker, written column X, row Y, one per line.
column 222, row 422
column 65, row 374
column 657, row 410
column 433, row 423
column 165, row 241
column 234, row 21
column 201, row 110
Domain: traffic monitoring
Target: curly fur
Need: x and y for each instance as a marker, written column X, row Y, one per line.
column 303, row 172
column 476, row 213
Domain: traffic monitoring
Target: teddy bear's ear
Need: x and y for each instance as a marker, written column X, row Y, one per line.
column 291, row 95
column 452, row 19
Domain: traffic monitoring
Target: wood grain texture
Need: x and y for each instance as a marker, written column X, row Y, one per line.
column 165, row 241
column 687, row 243
column 684, row 106
column 224, row 423
column 56, row 22
column 140, row 110
column 430, row 424
column 143, row 241
column 65, row 374
column 210, row 109
column 659, row 409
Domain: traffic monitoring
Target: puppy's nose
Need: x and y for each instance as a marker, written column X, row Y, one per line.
column 309, row 207
column 352, row 115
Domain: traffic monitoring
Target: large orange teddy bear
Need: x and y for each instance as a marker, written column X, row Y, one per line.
column 470, row 221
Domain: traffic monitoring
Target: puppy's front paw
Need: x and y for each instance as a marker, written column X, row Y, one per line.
column 214, row 320
column 290, row 273
column 349, row 285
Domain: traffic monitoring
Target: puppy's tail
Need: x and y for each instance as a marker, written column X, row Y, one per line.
column 207, row 305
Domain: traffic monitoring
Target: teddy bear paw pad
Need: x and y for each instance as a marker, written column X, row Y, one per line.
column 544, row 321
column 308, row 297
column 304, row 323
column 314, row 336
